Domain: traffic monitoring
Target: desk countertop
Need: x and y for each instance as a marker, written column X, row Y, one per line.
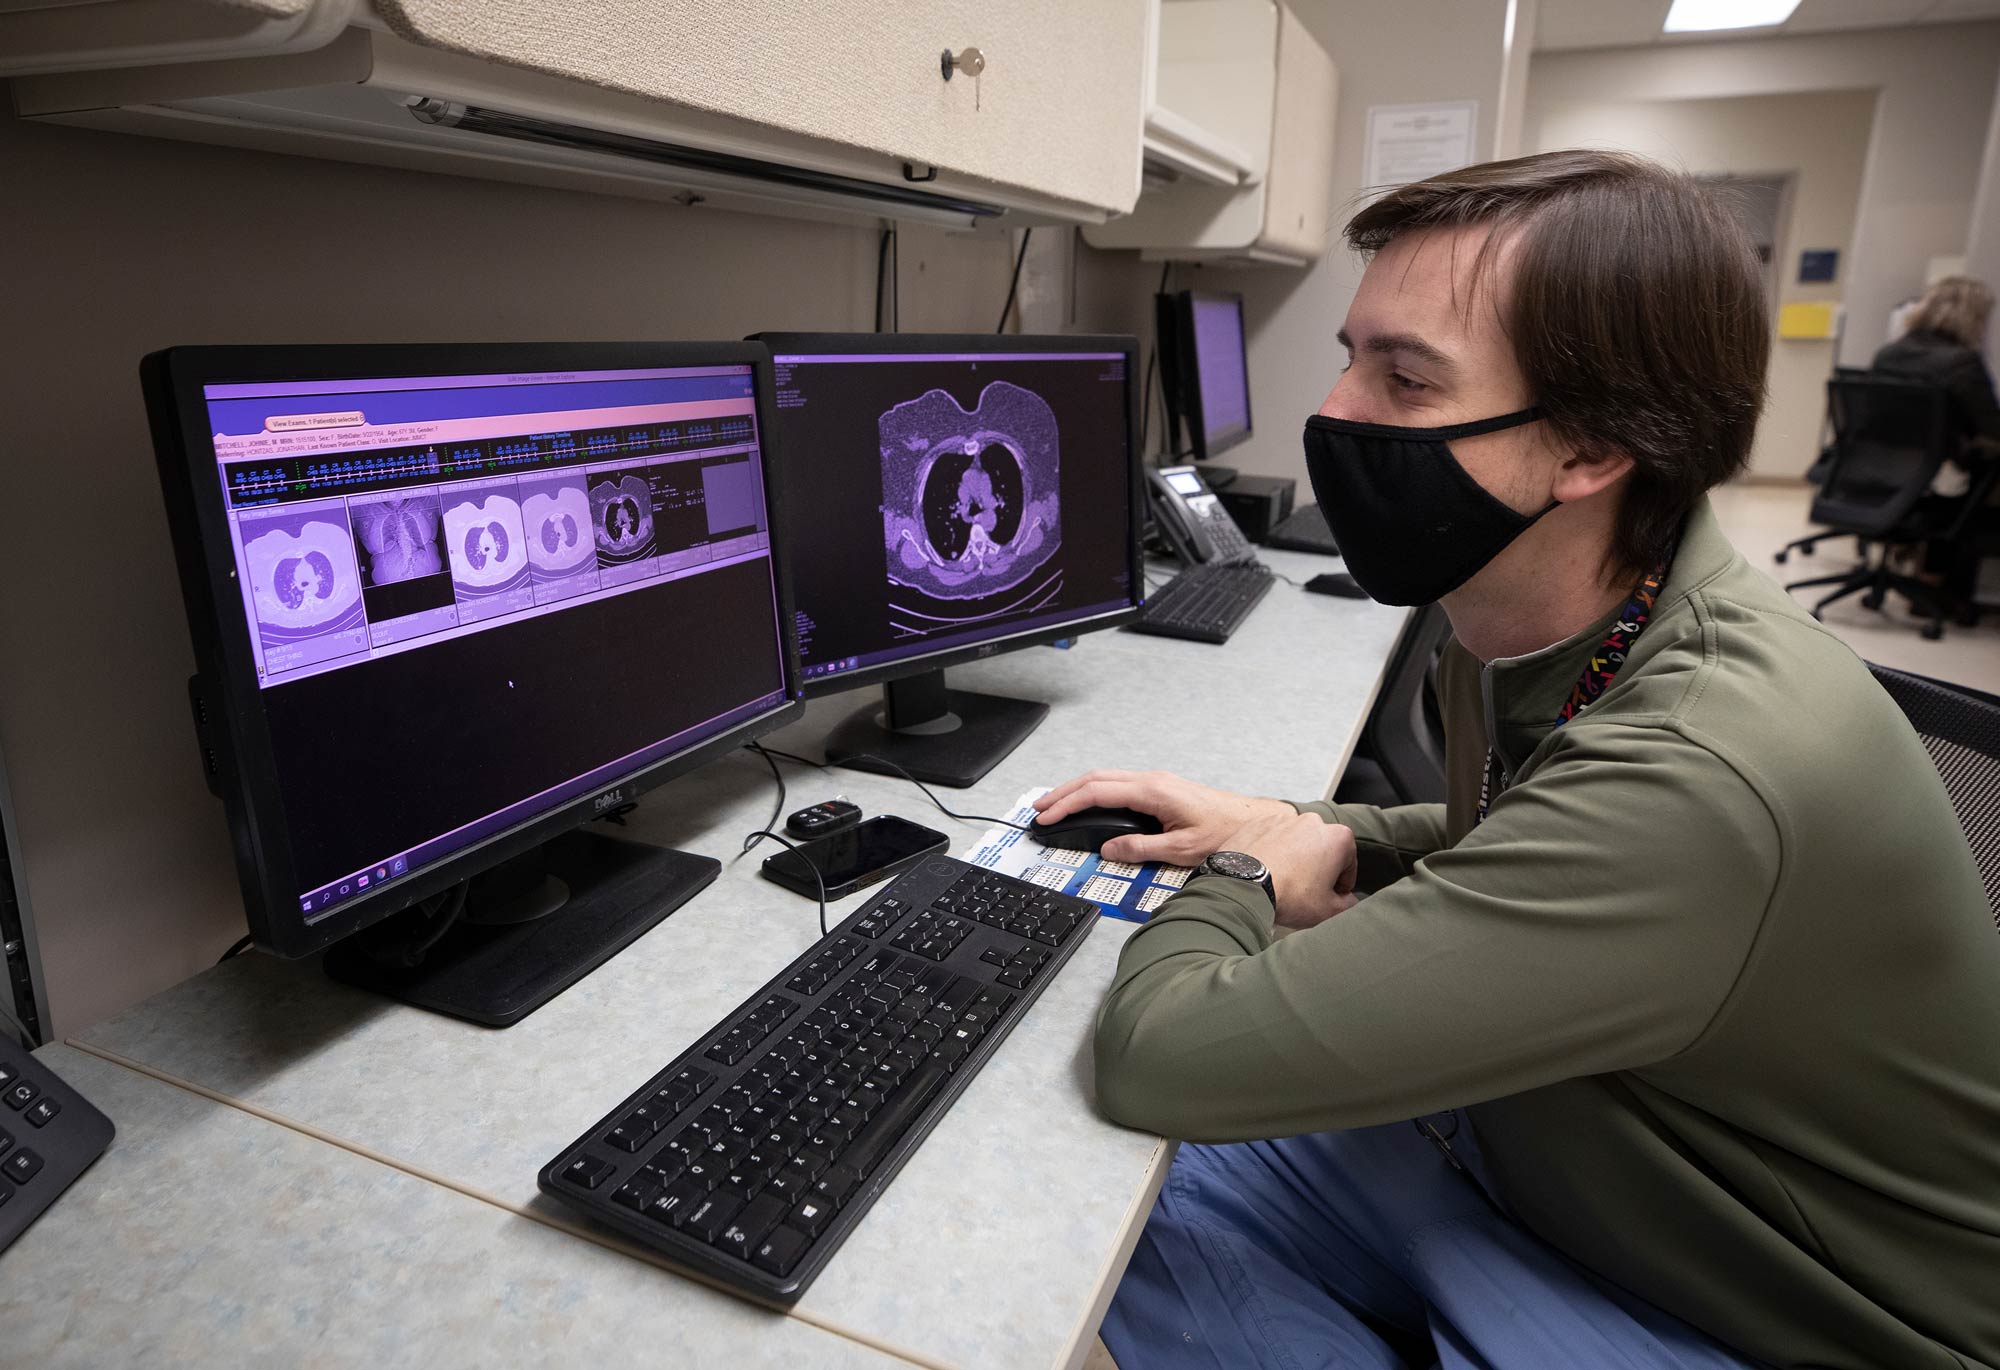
column 250, row 1093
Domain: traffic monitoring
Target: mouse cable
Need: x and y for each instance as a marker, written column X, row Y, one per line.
column 754, row 838
column 885, row 761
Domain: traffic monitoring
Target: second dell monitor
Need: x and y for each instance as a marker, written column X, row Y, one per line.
column 948, row 497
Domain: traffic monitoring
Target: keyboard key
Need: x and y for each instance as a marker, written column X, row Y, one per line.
column 8, row 1074
column 43, row 1111
column 649, row 1116
column 20, row 1094
column 836, row 1184
column 792, row 1183
column 635, row 1196
column 628, row 1138
column 780, row 1251
column 812, row 1215
column 6, row 1141
column 725, row 1151
column 711, row 1215
column 587, row 1171
column 752, row 1225
column 22, row 1166
column 672, row 1204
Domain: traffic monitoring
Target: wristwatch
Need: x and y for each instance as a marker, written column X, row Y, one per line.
column 1242, row 866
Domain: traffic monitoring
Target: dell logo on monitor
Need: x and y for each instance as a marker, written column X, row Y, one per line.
column 610, row 799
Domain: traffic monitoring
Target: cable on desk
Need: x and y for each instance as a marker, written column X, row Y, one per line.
column 754, row 838
column 885, row 761
column 789, row 756
column 777, row 809
column 236, row 948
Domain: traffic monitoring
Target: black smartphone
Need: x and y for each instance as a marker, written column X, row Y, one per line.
column 859, row 857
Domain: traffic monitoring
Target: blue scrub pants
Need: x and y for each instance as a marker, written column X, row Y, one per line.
column 1366, row 1248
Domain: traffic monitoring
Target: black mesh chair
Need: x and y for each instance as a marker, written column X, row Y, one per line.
column 1890, row 438
column 1960, row 728
column 1399, row 758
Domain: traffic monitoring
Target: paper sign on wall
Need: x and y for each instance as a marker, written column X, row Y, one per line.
column 1809, row 320
column 1409, row 142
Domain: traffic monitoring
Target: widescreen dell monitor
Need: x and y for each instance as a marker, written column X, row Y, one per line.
column 1205, row 372
column 948, row 497
column 448, row 605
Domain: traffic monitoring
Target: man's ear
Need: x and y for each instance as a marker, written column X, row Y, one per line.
column 1586, row 473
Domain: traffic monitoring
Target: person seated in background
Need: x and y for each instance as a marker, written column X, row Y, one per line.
column 1692, row 980
column 1942, row 348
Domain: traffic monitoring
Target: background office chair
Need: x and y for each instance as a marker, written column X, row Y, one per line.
column 1816, row 476
column 1399, row 758
column 1890, row 437
column 1960, row 728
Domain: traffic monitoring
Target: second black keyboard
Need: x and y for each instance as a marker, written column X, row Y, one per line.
column 1207, row 602
column 1303, row 530
column 754, row 1154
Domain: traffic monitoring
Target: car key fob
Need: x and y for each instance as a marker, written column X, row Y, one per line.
column 822, row 820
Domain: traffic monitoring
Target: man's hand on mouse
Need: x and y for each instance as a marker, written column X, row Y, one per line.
column 1194, row 819
column 1313, row 864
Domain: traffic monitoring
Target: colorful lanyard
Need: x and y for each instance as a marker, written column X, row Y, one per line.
column 1599, row 671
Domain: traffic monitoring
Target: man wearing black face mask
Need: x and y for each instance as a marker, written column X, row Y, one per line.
column 1692, row 980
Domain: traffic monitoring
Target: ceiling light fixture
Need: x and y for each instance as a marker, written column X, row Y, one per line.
column 1701, row 16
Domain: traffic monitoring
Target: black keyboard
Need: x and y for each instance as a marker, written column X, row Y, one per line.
column 756, row 1152
column 49, row 1135
column 1206, row 602
column 1303, row 530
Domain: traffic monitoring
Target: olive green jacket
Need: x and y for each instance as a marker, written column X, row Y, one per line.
column 1716, row 982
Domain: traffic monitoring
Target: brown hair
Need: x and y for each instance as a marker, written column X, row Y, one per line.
column 1636, row 310
column 1956, row 306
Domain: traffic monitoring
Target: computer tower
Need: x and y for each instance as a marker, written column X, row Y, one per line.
column 1257, row 503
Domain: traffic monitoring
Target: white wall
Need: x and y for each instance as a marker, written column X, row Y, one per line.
column 1936, row 84
column 115, row 246
column 1405, row 53
column 1819, row 139
column 1982, row 237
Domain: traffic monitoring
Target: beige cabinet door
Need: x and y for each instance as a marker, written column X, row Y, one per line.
column 1057, row 110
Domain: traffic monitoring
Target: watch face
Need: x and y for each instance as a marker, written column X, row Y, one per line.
column 1237, row 864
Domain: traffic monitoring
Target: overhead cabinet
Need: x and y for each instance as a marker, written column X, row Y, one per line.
column 1285, row 88
column 862, row 107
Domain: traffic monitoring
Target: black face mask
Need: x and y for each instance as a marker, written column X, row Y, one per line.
column 1411, row 523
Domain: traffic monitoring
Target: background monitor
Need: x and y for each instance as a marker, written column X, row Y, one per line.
column 1205, row 372
column 442, row 602
column 949, row 497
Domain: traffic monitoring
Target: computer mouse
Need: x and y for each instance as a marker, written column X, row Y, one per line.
column 1090, row 829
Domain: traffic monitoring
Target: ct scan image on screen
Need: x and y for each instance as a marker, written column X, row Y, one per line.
column 939, row 500
column 971, row 502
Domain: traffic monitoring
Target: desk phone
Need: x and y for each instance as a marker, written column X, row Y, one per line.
column 1194, row 520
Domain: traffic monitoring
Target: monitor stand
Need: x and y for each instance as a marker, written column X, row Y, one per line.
column 938, row 735
column 531, row 927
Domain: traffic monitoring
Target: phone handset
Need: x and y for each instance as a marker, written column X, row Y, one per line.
column 1194, row 520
